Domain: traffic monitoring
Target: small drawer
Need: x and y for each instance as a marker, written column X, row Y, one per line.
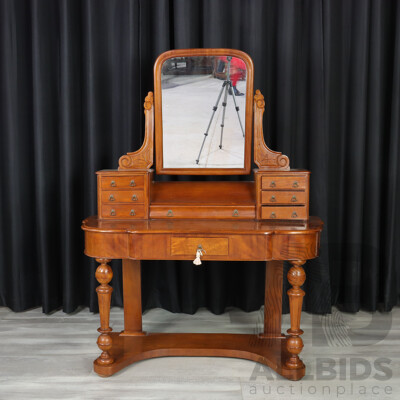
column 271, row 197
column 122, row 182
column 122, row 211
column 181, row 246
column 283, row 182
column 268, row 212
column 122, row 196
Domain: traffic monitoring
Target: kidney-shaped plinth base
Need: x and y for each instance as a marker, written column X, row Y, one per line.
column 269, row 351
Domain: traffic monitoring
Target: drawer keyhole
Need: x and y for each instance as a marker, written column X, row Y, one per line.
column 199, row 253
column 134, row 197
column 111, row 198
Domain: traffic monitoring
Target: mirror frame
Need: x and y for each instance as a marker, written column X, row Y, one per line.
column 158, row 112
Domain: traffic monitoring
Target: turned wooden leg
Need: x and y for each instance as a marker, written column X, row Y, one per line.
column 132, row 298
column 273, row 299
column 104, row 275
column 296, row 277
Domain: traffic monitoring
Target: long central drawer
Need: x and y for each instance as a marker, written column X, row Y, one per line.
column 202, row 212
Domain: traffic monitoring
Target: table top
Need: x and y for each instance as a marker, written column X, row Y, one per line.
column 202, row 226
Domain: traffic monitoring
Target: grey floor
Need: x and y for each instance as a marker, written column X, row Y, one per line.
column 348, row 356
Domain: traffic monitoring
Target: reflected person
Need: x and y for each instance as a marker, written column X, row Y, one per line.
column 237, row 70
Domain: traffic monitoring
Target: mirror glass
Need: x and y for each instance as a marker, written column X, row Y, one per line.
column 203, row 112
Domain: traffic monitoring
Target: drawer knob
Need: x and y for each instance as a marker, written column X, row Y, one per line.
column 113, row 213
column 170, row 213
column 294, row 214
column 273, row 215
column 295, row 184
column 132, row 213
column 235, row 213
column 113, row 184
column 273, row 199
column 134, row 197
column 133, row 182
column 293, row 199
column 111, row 198
column 272, row 184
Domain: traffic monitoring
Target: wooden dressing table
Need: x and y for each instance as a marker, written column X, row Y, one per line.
column 263, row 220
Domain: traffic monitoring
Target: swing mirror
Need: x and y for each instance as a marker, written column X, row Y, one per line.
column 203, row 112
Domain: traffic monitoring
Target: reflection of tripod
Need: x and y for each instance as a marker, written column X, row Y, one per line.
column 227, row 86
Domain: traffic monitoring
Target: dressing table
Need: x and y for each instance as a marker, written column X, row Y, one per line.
column 203, row 119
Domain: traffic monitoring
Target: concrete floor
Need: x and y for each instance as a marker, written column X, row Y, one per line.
column 50, row 357
column 187, row 106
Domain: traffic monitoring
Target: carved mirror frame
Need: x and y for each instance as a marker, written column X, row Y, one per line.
column 265, row 158
column 248, row 112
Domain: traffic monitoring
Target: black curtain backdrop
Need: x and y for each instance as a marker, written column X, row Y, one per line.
column 73, row 77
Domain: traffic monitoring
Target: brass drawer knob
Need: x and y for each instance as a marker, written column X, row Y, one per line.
column 295, row 184
column 293, row 199
column 235, row 213
column 113, row 184
column 132, row 213
column 134, row 197
column 273, row 199
column 272, row 184
column 273, row 215
column 113, row 213
column 132, row 183
column 111, row 198
column 170, row 213
column 294, row 214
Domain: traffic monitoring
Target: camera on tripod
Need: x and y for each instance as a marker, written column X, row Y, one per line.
column 227, row 88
